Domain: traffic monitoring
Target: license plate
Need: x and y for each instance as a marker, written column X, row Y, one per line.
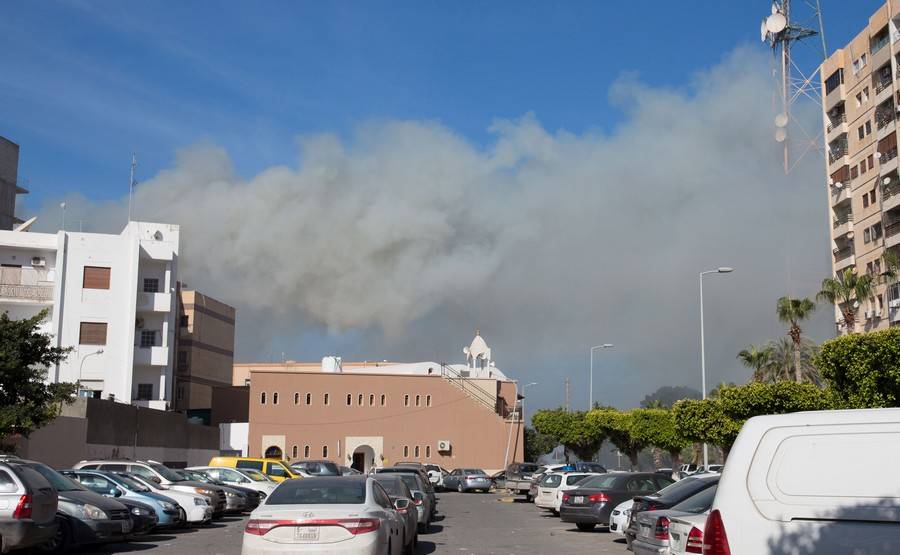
column 126, row 526
column 306, row 533
column 579, row 499
column 645, row 531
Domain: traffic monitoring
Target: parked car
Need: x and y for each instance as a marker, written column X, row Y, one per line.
column 274, row 469
column 28, row 505
column 468, row 479
column 518, row 478
column 417, row 485
column 349, row 471
column 162, row 475
column 654, row 534
column 83, row 517
column 424, row 483
column 436, row 474
column 686, row 532
column 618, row 518
column 245, row 478
column 773, row 497
column 499, row 479
column 553, row 485
column 667, row 498
column 237, row 499
column 194, row 506
column 121, row 487
column 539, row 475
column 143, row 516
column 402, row 498
column 593, row 500
column 317, row 468
column 311, row 516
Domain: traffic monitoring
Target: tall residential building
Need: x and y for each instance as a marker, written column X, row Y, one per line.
column 109, row 297
column 9, row 188
column 860, row 118
column 205, row 351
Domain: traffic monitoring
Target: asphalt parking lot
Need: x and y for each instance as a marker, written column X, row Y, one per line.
column 468, row 523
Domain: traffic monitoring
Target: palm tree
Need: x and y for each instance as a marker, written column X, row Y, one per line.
column 792, row 311
column 759, row 359
column 781, row 361
column 844, row 290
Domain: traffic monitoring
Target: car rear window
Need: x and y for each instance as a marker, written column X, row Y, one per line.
column 699, row 502
column 572, row 480
column 57, row 480
column 681, row 490
column 318, row 492
column 30, row 478
column 6, row 481
column 255, row 465
column 114, row 467
column 410, row 481
column 551, row 481
column 600, row 482
column 393, row 486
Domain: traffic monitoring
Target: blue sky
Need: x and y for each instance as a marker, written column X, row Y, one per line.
column 85, row 83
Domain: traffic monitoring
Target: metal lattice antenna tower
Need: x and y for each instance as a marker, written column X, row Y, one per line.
column 788, row 25
column 568, row 395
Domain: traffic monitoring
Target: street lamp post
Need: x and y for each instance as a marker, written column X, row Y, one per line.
column 604, row 346
column 81, row 367
column 524, row 387
column 722, row 270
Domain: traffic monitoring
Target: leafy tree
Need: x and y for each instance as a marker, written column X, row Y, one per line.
column 792, row 311
column 617, row 426
column 705, row 421
column 863, row 370
column 844, row 290
column 759, row 359
column 537, row 444
column 782, row 361
column 27, row 402
column 571, row 429
column 656, row 427
column 666, row 396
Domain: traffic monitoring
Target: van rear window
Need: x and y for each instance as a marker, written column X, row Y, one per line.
column 255, row 465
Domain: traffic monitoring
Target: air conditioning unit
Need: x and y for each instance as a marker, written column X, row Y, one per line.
column 443, row 446
column 38, row 262
column 139, row 322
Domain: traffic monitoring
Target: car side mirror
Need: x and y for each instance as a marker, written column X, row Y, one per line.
column 115, row 492
column 401, row 504
column 156, row 479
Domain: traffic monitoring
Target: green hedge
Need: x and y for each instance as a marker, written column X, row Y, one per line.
column 863, row 369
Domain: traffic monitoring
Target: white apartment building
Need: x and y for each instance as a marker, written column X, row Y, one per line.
column 110, row 297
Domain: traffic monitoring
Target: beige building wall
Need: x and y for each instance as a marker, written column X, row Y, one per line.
column 860, row 120
column 205, row 351
column 400, row 429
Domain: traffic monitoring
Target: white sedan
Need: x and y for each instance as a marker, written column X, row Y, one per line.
column 618, row 518
column 551, row 486
column 245, row 478
column 196, row 507
column 336, row 515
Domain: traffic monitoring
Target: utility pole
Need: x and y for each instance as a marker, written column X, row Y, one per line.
column 568, row 397
column 131, row 184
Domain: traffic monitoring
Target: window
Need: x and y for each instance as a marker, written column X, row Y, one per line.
column 92, row 333
column 869, row 130
column 275, row 398
column 406, row 450
column 294, row 451
column 418, row 400
column 254, row 465
column 862, row 167
column 95, row 277
column 878, row 266
column 876, row 231
column 406, row 400
column 860, row 132
column 867, row 236
column 428, row 451
column 871, row 160
column 148, row 338
column 834, row 80
column 306, row 451
column 865, row 201
column 324, row 451
column 151, row 285
column 296, row 401
column 326, row 398
column 182, row 360
column 359, row 400
column 262, row 398
column 144, row 391
column 349, row 399
column 872, row 196
column 309, row 398
column 859, row 100
column 865, row 94
column 417, row 451
column 371, row 400
column 854, row 172
column 185, row 320
column 383, row 400
column 428, row 400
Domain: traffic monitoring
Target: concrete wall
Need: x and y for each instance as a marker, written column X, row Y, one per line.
column 95, row 428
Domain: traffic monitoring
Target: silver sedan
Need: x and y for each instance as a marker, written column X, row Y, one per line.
column 468, row 479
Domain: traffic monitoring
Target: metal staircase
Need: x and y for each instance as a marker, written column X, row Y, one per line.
column 470, row 388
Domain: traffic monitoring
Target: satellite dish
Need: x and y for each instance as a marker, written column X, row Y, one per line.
column 838, row 185
column 780, row 135
column 878, row 155
column 763, row 32
column 776, row 23
column 781, row 120
column 886, row 180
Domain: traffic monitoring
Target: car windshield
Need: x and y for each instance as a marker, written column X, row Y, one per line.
column 166, row 472
column 255, row 475
column 600, row 482
column 57, row 480
column 319, row 492
column 130, row 484
column 551, row 480
column 699, row 502
column 475, row 472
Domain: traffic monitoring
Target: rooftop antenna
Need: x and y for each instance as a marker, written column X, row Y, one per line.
column 784, row 27
column 131, row 184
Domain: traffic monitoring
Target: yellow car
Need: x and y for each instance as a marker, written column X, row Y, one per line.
column 274, row 469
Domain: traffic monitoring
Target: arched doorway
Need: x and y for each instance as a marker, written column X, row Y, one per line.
column 363, row 458
column 274, row 452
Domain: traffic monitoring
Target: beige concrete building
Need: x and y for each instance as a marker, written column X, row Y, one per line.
column 860, row 117
column 376, row 414
column 204, row 353
column 9, row 179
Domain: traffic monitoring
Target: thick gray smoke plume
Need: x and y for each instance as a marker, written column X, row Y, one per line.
column 549, row 240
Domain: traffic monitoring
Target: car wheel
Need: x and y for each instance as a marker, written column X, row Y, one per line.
column 528, row 498
column 61, row 541
column 459, row 488
column 585, row 526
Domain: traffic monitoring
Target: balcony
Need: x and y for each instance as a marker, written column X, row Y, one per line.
column 835, row 97
column 154, row 302
column 890, row 195
column 835, row 126
column 836, row 154
column 840, row 196
column 842, row 225
column 883, row 88
column 843, row 259
column 42, row 294
column 888, row 160
column 151, row 356
column 884, row 122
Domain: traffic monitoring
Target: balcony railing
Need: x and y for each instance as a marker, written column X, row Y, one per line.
column 836, row 121
column 890, row 190
column 880, row 43
column 882, row 82
column 892, row 229
column 884, row 117
column 26, row 292
column 835, row 154
column 888, row 155
column 843, row 253
column 841, row 220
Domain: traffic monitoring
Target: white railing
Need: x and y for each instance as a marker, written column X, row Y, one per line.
column 26, row 292
column 471, row 389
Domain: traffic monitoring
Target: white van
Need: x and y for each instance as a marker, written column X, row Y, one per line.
column 823, row 482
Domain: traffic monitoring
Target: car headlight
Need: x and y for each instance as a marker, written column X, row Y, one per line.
column 204, row 491
column 138, row 511
column 229, row 494
column 167, row 506
column 93, row 513
column 200, row 501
